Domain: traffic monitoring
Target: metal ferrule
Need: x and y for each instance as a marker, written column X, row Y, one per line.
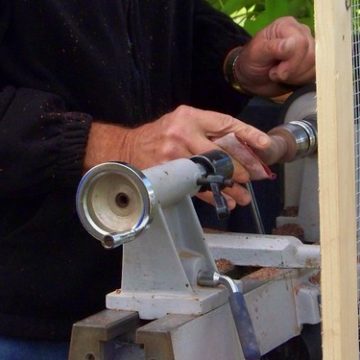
column 304, row 133
column 213, row 279
column 112, row 241
column 215, row 162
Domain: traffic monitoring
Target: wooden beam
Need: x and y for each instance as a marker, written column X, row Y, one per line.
column 336, row 180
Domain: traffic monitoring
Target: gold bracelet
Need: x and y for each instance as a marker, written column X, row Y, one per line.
column 229, row 70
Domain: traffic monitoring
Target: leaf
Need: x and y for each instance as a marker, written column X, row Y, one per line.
column 234, row 5
column 259, row 13
column 277, row 8
column 255, row 25
column 309, row 21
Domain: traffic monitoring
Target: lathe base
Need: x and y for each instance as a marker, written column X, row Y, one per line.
column 279, row 302
column 115, row 335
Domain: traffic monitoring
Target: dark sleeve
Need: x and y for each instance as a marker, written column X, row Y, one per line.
column 215, row 35
column 41, row 144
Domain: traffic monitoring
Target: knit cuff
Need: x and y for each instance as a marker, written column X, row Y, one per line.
column 74, row 135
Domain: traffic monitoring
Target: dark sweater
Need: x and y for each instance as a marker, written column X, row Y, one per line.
column 63, row 63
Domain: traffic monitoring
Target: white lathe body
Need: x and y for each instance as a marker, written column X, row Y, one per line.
column 151, row 215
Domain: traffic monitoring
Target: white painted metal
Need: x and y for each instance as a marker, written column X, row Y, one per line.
column 301, row 176
column 300, row 108
column 280, row 302
column 211, row 336
column 306, row 187
column 263, row 250
column 307, row 303
column 161, row 265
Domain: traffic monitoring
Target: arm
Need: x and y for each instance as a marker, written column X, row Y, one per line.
column 41, row 144
column 182, row 133
column 215, row 34
column 43, row 147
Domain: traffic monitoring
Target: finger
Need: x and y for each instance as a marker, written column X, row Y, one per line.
column 274, row 50
column 293, row 73
column 208, row 197
column 241, row 175
column 231, row 202
column 308, row 76
column 300, row 59
column 215, row 125
column 234, row 195
column 282, row 147
column 201, row 145
column 283, row 49
column 252, row 136
column 239, row 194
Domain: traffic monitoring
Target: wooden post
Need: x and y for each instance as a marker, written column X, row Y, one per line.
column 336, row 180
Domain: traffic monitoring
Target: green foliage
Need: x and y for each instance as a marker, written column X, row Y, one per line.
column 355, row 4
column 253, row 15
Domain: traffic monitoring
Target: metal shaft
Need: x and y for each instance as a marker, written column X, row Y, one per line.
column 255, row 210
column 242, row 319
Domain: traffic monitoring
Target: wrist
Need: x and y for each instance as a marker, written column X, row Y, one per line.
column 231, row 73
column 106, row 142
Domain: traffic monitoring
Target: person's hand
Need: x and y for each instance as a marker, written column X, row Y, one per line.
column 281, row 54
column 180, row 134
column 281, row 149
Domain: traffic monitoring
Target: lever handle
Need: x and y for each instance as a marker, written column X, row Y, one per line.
column 215, row 183
column 222, row 210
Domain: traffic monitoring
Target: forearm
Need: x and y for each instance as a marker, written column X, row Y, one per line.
column 106, row 142
column 182, row 133
column 221, row 34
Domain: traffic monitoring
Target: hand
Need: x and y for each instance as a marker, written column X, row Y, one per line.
column 180, row 134
column 188, row 131
column 281, row 54
column 281, row 149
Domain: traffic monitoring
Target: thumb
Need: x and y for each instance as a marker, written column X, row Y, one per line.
column 280, row 52
column 265, row 52
column 279, row 49
column 276, row 152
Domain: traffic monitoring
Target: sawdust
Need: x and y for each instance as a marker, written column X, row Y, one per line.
column 291, row 230
column 291, row 211
column 224, row 266
column 315, row 279
column 264, row 274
